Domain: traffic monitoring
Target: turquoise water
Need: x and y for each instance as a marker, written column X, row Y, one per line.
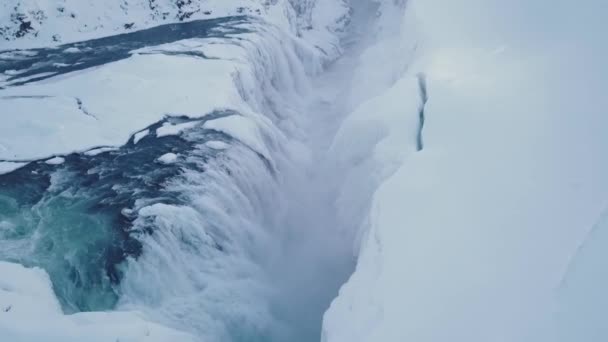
column 73, row 219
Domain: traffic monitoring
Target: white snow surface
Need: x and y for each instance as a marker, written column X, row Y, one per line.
column 217, row 145
column 99, row 150
column 6, row 167
column 31, row 313
column 492, row 232
column 123, row 97
column 473, row 238
column 53, row 22
column 140, row 135
column 168, row 158
column 55, row 161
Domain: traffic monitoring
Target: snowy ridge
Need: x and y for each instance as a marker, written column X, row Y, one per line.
column 469, row 238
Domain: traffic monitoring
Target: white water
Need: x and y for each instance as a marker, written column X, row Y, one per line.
column 285, row 250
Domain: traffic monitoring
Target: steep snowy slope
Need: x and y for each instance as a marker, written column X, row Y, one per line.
column 483, row 204
column 145, row 173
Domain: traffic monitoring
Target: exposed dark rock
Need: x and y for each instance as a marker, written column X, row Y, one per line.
column 24, row 28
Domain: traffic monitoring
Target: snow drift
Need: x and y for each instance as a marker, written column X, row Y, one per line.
column 469, row 239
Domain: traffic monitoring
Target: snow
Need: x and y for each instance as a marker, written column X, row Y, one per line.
column 55, row 161
column 168, row 158
column 24, row 79
column 123, row 97
column 26, row 296
column 99, row 150
column 491, row 232
column 12, row 72
column 217, row 145
column 6, row 167
column 582, row 303
column 56, row 22
column 470, row 238
column 174, row 129
column 140, row 135
column 206, row 270
column 327, row 21
column 243, row 129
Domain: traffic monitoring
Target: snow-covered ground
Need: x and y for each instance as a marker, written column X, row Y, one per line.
column 30, row 312
column 471, row 238
column 38, row 23
column 455, row 151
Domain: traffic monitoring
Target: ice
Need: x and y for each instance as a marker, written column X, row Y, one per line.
column 582, row 301
column 26, row 296
column 213, row 227
column 24, row 79
column 100, row 150
column 168, row 158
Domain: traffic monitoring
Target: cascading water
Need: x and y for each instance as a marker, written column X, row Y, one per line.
column 202, row 231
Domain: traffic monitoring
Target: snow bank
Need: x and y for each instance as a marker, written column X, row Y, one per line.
column 30, row 312
column 250, row 85
column 469, row 239
column 6, row 167
column 174, row 129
